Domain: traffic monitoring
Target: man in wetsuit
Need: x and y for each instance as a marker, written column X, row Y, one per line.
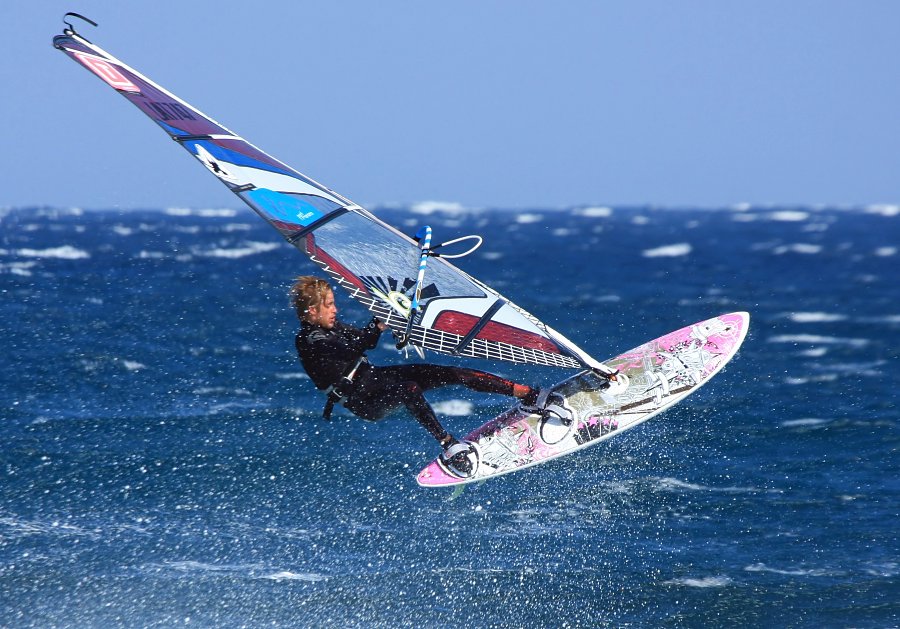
column 333, row 355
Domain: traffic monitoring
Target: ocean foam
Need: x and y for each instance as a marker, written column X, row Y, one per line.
column 814, row 317
column 815, row 339
column 594, row 212
column 673, row 484
column 889, row 319
column 295, row 375
column 886, row 252
column 237, row 227
column 704, row 582
column 454, row 408
column 828, row 377
column 884, row 210
column 430, row 207
column 251, row 248
column 203, row 213
column 66, row 252
column 796, row 572
column 18, row 268
column 15, row 528
column 286, row 575
column 800, row 247
column 527, row 218
column 668, row 251
column 789, row 216
column 806, row 421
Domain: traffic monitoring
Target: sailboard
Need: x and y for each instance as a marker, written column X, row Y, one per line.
column 428, row 302
column 585, row 409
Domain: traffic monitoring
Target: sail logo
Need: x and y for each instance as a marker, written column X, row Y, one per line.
column 214, row 165
column 281, row 206
column 106, row 71
column 170, row 111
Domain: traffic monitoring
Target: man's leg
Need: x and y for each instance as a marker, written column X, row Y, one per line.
column 434, row 376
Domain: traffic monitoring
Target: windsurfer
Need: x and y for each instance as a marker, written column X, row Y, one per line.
column 333, row 355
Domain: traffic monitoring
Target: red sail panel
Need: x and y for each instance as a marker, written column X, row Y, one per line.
column 462, row 323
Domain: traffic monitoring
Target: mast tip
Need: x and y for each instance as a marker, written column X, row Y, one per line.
column 71, row 29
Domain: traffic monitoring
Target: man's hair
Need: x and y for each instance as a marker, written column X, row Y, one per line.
column 307, row 292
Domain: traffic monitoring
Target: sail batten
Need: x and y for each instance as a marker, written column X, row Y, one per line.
column 375, row 263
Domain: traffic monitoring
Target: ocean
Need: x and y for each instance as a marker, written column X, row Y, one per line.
column 164, row 462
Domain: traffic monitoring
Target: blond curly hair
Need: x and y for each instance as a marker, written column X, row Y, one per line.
column 308, row 292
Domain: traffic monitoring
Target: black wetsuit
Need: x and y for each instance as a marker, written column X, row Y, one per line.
column 327, row 355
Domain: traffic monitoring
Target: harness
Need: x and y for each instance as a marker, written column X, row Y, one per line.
column 339, row 391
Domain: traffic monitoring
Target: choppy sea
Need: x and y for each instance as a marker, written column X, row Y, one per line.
column 163, row 461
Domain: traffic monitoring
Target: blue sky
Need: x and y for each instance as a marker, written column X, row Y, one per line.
column 500, row 104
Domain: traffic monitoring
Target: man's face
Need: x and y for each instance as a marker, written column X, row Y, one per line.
column 325, row 314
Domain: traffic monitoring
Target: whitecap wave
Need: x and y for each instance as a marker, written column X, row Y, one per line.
column 794, row 572
column 293, row 375
column 800, row 247
column 237, row 227
column 703, row 582
column 430, row 207
column 528, row 218
column 884, row 209
column 668, row 251
column 203, row 213
column 889, row 319
column 673, row 484
column 454, row 408
column 594, row 212
column 884, row 569
column 886, row 252
column 66, row 252
column 789, row 216
column 826, row 377
column 806, row 421
column 286, row 575
column 815, row 339
column 10, row 527
column 18, row 268
column 814, row 317
column 250, row 248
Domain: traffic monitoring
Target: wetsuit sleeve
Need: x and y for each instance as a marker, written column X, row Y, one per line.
column 360, row 339
column 327, row 354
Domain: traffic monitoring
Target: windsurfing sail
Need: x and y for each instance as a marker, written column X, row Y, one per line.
column 374, row 262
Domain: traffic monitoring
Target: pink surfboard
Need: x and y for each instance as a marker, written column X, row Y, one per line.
column 582, row 411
